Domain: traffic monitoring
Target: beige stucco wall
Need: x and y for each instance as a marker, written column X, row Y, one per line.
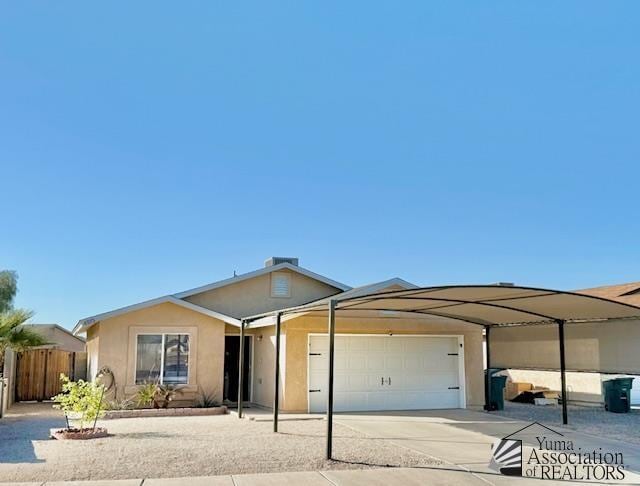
column 263, row 360
column 92, row 341
column 581, row 387
column 115, row 341
column 253, row 296
column 296, row 349
column 609, row 347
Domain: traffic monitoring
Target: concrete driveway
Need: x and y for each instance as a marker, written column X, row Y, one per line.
column 462, row 439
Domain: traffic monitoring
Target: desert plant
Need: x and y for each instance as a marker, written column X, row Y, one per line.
column 156, row 394
column 119, row 404
column 166, row 393
column 206, row 400
column 81, row 398
column 146, row 394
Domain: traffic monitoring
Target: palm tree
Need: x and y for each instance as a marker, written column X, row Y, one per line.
column 12, row 334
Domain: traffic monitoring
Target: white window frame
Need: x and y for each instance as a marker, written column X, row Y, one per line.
column 280, row 274
column 162, row 334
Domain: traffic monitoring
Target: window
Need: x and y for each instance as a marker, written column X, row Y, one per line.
column 162, row 358
column 280, row 284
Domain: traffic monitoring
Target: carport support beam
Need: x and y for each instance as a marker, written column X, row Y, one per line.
column 276, row 378
column 487, row 378
column 332, row 335
column 563, row 372
column 241, row 368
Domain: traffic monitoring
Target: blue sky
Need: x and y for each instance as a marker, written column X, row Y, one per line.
column 150, row 147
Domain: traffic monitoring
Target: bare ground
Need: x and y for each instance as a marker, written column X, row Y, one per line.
column 589, row 420
column 184, row 446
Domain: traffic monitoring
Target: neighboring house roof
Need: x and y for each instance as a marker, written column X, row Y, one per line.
column 629, row 293
column 42, row 327
column 86, row 323
column 57, row 337
column 257, row 273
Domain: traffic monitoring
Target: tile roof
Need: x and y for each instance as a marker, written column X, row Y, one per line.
column 629, row 293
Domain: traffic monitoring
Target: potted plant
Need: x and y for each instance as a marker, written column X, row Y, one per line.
column 81, row 401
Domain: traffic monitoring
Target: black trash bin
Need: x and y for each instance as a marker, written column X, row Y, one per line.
column 617, row 394
column 497, row 385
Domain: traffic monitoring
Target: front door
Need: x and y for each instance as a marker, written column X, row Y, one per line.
column 231, row 371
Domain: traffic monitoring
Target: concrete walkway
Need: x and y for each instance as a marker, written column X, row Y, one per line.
column 369, row 477
column 462, row 439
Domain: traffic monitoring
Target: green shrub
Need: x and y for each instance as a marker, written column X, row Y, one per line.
column 82, row 399
column 146, row 394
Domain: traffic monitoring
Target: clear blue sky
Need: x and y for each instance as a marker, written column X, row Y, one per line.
column 150, row 147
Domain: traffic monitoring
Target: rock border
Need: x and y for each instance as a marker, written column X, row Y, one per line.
column 77, row 434
column 165, row 412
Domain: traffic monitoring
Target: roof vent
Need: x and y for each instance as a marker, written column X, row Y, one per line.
column 505, row 284
column 270, row 262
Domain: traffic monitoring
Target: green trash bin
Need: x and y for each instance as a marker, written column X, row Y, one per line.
column 617, row 394
column 497, row 385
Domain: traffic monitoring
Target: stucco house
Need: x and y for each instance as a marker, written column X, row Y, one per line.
column 384, row 360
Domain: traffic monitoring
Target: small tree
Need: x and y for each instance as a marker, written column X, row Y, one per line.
column 81, row 398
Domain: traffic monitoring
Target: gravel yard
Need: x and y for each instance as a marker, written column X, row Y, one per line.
column 589, row 420
column 183, row 446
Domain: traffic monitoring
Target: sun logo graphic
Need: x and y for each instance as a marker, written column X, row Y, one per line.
column 507, row 457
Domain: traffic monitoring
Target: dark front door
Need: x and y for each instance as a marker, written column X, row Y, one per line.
column 231, row 371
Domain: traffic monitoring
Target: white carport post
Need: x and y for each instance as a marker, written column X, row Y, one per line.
column 332, row 334
column 487, row 378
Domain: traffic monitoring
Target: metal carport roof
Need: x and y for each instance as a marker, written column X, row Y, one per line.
column 490, row 306
column 485, row 305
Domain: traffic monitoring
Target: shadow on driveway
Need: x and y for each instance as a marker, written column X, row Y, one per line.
column 23, row 424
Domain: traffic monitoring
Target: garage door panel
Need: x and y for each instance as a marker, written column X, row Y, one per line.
column 393, row 362
column 376, row 345
column 444, row 363
column 375, row 362
column 357, row 362
column 413, row 362
column 423, row 373
column 393, row 345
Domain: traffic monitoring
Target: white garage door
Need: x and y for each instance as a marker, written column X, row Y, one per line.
column 387, row 373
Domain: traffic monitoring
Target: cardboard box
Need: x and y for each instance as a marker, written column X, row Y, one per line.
column 514, row 388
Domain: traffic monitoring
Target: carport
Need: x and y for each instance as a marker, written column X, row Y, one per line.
column 525, row 328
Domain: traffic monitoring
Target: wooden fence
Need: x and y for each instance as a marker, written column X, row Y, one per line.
column 38, row 373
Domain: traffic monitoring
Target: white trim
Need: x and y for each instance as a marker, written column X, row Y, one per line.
column 259, row 272
column 461, row 368
column 251, row 365
column 162, row 334
column 84, row 324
